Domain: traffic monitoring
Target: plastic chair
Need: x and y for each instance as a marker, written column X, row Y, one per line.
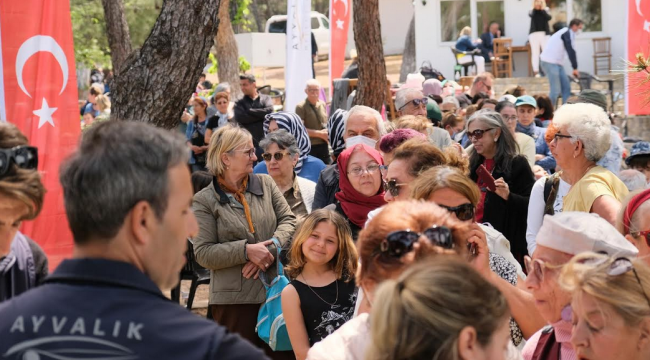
column 465, row 66
column 602, row 54
column 502, row 61
column 194, row 272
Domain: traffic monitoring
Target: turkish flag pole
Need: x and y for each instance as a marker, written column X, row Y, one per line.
column 638, row 41
column 339, row 23
column 38, row 93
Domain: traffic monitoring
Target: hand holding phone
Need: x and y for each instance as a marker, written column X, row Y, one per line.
column 486, row 178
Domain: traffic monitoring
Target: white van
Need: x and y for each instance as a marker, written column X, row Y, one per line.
column 320, row 26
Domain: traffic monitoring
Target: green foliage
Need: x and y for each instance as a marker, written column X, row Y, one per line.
column 242, row 15
column 244, row 65
column 215, row 64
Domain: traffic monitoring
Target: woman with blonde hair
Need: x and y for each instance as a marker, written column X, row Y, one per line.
column 610, row 306
column 439, row 309
column 471, row 50
column 103, row 106
column 539, row 31
column 241, row 216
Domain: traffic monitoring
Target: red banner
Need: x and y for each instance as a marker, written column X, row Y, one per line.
column 339, row 23
column 38, row 93
column 638, row 41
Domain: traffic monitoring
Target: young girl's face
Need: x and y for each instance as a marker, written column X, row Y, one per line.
column 321, row 246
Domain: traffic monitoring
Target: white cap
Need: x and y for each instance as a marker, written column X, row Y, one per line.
column 414, row 81
column 508, row 97
column 577, row 232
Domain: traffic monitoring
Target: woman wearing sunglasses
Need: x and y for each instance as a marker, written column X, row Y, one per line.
column 23, row 264
column 281, row 156
column 452, row 190
column 611, row 308
column 307, row 166
column 504, row 178
column 634, row 222
column 404, row 233
column 360, row 185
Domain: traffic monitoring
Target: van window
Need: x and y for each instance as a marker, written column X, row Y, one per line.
column 326, row 23
column 278, row 27
column 314, row 23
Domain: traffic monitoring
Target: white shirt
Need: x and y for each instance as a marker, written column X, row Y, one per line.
column 536, row 206
column 554, row 51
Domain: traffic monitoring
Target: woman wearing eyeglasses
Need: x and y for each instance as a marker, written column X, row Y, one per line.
column 504, row 178
column 582, row 139
column 281, row 155
column 610, row 307
column 634, row 222
column 23, row 264
column 525, row 143
column 360, row 185
column 404, row 233
column 238, row 215
column 307, row 166
column 450, row 189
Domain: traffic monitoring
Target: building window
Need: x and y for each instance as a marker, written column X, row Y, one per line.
column 588, row 11
column 487, row 12
column 455, row 15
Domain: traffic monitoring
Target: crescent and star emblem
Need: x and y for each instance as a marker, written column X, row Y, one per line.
column 30, row 47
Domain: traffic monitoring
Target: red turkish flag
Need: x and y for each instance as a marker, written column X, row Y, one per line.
column 339, row 23
column 638, row 41
column 38, row 93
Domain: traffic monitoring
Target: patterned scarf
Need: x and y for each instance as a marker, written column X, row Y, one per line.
column 293, row 124
column 239, row 195
column 528, row 130
column 335, row 130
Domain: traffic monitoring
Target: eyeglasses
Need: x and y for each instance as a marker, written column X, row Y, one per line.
column 617, row 267
column 510, row 118
column 400, row 242
column 537, row 267
column 488, row 87
column 250, row 152
column 392, row 187
column 277, row 156
column 645, row 234
column 559, row 136
column 477, row 134
column 416, row 102
column 358, row 171
column 383, row 169
column 463, row 212
column 25, row 157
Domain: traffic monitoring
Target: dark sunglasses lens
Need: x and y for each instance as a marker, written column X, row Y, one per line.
column 266, row 157
column 465, row 212
column 278, row 156
column 440, row 236
column 477, row 134
column 401, row 242
column 391, row 187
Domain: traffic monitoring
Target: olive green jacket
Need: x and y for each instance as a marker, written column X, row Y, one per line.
column 223, row 235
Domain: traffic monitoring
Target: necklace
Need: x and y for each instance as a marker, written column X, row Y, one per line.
column 315, row 293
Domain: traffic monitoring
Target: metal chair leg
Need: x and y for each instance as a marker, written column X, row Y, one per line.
column 190, row 298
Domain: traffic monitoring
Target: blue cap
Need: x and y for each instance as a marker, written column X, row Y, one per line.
column 640, row 148
column 526, row 100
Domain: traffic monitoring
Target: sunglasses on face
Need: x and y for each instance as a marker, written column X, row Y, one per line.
column 645, row 234
column 400, row 242
column 416, row 102
column 537, row 267
column 477, row 134
column 392, row 187
column 463, row 212
column 277, row 156
column 25, row 157
column 617, row 267
column 488, row 87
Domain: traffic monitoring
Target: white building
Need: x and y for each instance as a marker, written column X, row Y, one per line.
column 395, row 17
column 438, row 22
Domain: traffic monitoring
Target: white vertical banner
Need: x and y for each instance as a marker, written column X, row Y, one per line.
column 298, row 67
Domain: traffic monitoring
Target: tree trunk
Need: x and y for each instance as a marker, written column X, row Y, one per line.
column 156, row 81
column 117, row 30
column 227, row 52
column 408, row 59
column 261, row 25
column 371, row 88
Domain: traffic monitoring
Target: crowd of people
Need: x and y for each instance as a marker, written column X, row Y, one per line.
column 472, row 226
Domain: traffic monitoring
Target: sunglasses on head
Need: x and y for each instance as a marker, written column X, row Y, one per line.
column 392, row 187
column 477, row 134
column 277, row 156
column 617, row 267
column 400, row 242
column 416, row 102
column 463, row 212
column 25, row 157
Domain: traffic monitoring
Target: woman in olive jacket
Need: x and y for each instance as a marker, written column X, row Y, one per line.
column 239, row 214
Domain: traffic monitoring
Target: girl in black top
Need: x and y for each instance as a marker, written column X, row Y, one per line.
column 539, row 31
column 321, row 296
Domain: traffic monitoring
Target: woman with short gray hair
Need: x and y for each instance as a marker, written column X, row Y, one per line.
column 504, row 177
column 281, row 155
column 582, row 139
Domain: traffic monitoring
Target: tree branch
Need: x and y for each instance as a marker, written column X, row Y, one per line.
column 117, row 30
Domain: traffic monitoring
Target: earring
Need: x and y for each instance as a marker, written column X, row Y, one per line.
column 495, row 139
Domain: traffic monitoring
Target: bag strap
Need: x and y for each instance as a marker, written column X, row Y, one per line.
column 551, row 187
column 262, row 274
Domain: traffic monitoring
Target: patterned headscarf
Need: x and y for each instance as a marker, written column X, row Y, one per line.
column 293, row 124
column 335, row 130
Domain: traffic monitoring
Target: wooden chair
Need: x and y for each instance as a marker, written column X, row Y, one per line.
column 502, row 61
column 466, row 82
column 602, row 54
column 389, row 96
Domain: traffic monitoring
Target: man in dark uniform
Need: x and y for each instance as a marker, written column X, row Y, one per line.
column 129, row 209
